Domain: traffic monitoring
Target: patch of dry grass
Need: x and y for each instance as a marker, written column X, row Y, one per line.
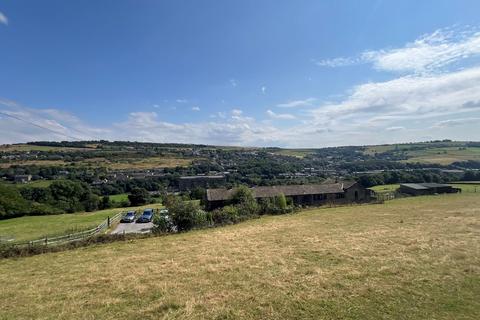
column 412, row 258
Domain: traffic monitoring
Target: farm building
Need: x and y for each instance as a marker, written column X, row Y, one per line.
column 418, row 189
column 192, row 182
column 23, row 178
column 315, row 194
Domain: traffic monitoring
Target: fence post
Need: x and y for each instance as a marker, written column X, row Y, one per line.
column 46, row 240
column 108, row 221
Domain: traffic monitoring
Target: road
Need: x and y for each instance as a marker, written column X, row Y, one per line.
column 133, row 227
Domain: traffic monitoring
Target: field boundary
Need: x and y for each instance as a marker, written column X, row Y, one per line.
column 72, row 237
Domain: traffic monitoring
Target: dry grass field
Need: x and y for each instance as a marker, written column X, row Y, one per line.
column 412, row 258
column 124, row 164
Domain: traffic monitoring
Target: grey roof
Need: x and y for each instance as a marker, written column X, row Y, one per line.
column 290, row 190
column 424, row 186
column 435, row 185
column 201, row 177
column 415, row 186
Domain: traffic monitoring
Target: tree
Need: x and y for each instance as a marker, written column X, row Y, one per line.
column 139, row 196
column 11, row 202
column 242, row 194
column 105, row 203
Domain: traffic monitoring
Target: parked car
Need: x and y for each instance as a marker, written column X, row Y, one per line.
column 147, row 216
column 129, row 217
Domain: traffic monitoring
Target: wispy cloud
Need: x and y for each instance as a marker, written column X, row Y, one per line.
column 181, row 100
column 280, row 116
column 3, row 19
column 263, row 89
column 21, row 124
column 455, row 122
column 195, row 108
column 429, row 53
column 297, row 103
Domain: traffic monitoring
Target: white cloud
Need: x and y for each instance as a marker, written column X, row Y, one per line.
column 407, row 98
column 297, row 103
column 181, row 100
column 22, row 124
column 263, row 89
column 429, row 53
column 281, row 116
column 3, row 19
column 195, row 108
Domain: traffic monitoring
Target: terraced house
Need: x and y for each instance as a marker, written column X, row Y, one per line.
column 311, row 195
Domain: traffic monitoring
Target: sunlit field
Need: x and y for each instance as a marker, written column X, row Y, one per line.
column 411, row 258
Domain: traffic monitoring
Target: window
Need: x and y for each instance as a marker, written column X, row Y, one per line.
column 340, row 195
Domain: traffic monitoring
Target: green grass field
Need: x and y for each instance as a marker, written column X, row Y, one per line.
column 34, row 227
column 411, row 258
column 385, row 188
column 119, row 197
column 467, row 187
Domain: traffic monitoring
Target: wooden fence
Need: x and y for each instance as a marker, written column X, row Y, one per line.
column 73, row 236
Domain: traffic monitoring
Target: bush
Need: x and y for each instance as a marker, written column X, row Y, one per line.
column 225, row 215
column 163, row 224
column 186, row 215
column 139, row 196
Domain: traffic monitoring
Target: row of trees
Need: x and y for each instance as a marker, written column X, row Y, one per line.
column 419, row 176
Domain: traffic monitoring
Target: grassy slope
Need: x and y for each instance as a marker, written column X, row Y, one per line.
column 447, row 154
column 33, row 227
column 413, row 258
column 444, row 156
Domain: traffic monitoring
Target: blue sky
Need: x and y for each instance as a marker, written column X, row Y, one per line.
column 263, row 73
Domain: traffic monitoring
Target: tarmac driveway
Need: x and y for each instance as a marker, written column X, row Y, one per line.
column 133, row 227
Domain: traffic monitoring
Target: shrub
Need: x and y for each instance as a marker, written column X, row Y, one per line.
column 186, row 215
column 225, row 215
column 139, row 196
column 163, row 224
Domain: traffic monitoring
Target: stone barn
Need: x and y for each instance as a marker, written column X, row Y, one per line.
column 313, row 194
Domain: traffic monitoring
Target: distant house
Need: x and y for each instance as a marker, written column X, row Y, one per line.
column 192, row 182
column 313, row 194
column 419, row 189
column 23, row 178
